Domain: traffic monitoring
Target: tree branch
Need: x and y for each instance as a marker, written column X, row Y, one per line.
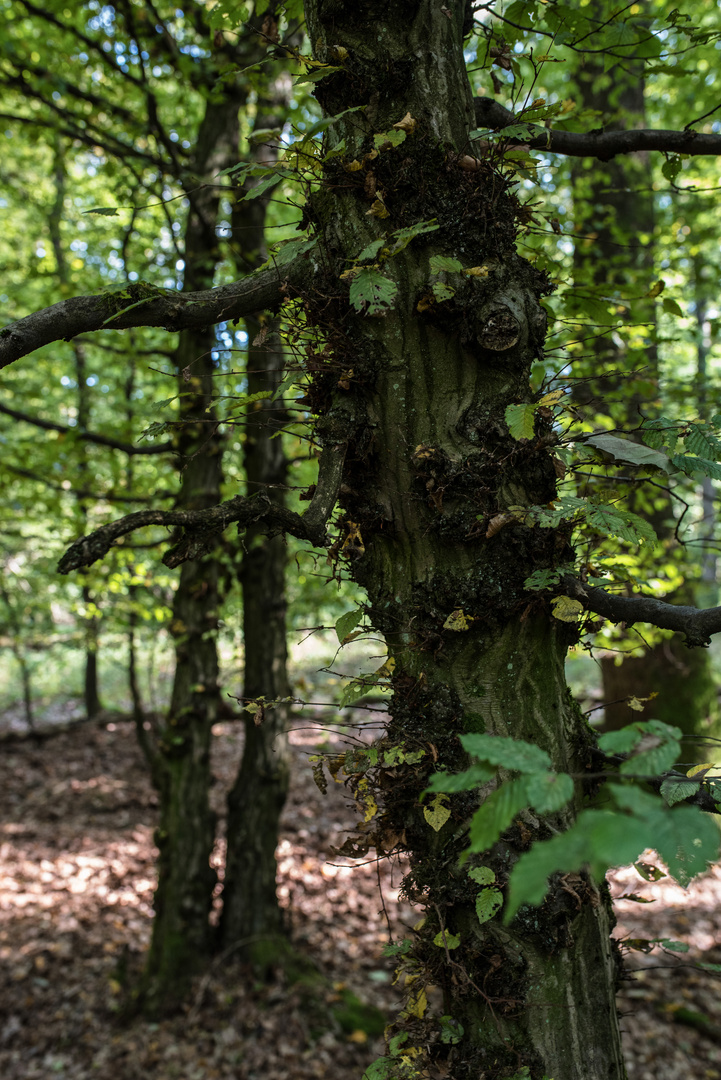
column 202, row 527
column 85, row 436
column 603, row 145
column 698, row 624
column 138, row 306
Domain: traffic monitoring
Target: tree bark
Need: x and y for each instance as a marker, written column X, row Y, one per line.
column 613, row 207
column 430, row 461
column 250, row 904
column 181, row 756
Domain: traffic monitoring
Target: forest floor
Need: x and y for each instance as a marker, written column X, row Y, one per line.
column 77, row 814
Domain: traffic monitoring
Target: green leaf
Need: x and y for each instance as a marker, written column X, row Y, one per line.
column 482, row 875
column 403, row 237
column 488, row 903
column 328, row 121
column 621, row 741
column 443, row 263
column 549, row 791
column 372, row 292
column 347, row 623
column 700, row 439
column 268, row 181
column 462, row 781
column 685, row 838
column 509, row 753
column 673, row 946
column 671, row 167
column 104, row 211
column 397, row 948
column 495, row 815
column 672, row 307
column 226, row 15
column 542, row 579
column 692, row 465
column 442, row 292
column 355, row 690
column 371, row 250
column 615, row 522
column 657, row 751
column 291, row 249
column 394, row 137
column 451, row 1030
column 599, row 838
column 520, row 420
column 674, row 791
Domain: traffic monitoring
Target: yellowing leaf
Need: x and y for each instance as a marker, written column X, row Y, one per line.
column 656, row 289
column 357, row 1036
column 386, row 670
column 437, row 813
column 407, row 124
column 348, row 275
column 477, row 271
column 553, row 398
column 638, row 703
column 353, row 166
column 417, row 1005
column 566, row 609
column 366, row 800
column 340, row 53
column 458, row 621
column 697, row 770
column 378, row 209
column 452, row 941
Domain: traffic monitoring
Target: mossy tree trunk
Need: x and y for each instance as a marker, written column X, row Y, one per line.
column 430, row 462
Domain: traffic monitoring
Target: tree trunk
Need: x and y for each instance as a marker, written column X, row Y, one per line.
column 250, row 905
column 181, row 757
column 613, row 206
column 430, row 462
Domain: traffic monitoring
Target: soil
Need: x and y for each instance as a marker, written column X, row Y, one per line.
column 77, row 814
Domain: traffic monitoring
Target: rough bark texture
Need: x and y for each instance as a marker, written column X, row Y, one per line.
column 430, row 462
column 181, row 768
column 250, row 905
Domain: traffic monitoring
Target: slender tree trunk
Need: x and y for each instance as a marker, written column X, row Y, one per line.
column 181, row 756
column 250, row 905
column 91, row 694
column 430, row 461
column 614, row 208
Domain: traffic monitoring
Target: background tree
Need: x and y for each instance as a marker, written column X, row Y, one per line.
column 422, row 325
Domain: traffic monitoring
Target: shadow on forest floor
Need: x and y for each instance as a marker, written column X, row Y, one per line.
column 76, row 883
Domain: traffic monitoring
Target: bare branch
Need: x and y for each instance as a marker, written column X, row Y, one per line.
column 202, row 527
column 698, row 624
column 85, row 436
column 138, row 305
column 603, row 145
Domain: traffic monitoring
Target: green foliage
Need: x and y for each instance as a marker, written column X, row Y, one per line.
column 371, row 292
column 653, row 747
column 521, row 420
